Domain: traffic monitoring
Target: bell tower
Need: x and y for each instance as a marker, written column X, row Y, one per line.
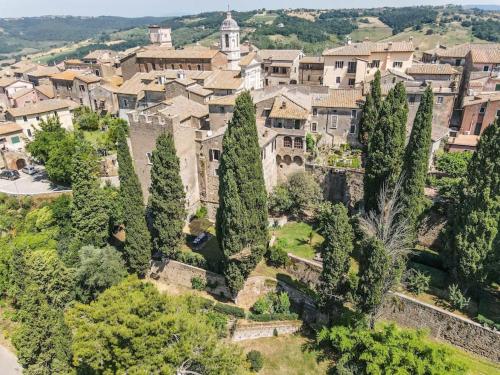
column 230, row 41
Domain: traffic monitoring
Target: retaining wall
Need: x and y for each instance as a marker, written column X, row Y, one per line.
column 254, row 330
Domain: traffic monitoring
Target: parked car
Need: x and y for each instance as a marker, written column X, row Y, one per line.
column 9, row 174
column 29, row 169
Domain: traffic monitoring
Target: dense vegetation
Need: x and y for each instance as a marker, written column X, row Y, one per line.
column 401, row 18
column 486, row 29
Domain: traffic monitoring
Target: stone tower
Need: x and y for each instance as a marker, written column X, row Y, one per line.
column 230, row 41
column 160, row 36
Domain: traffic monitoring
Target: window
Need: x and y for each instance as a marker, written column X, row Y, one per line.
column 498, row 113
column 351, row 67
column 440, row 99
column 25, row 118
column 486, row 68
column 263, row 153
column 411, row 99
column 189, row 67
column 37, row 118
column 333, row 121
column 352, row 129
column 276, row 69
column 287, row 142
column 477, row 129
column 497, row 87
column 337, row 79
column 227, row 40
column 375, row 64
column 199, row 66
column 149, row 157
column 354, row 113
column 125, row 102
column 82, row 88
column 173, row 66
column 278, row 124
column 397, row 64
column 297, row 124
column 28, row 131
column 214, row 154
column 216, row 172
column 351, row 82
column 482, row 110
column 97, row 73
column 314, row 127
column 458, row 62
column 315, row 111
column 15, row 139
column 298, row 143
column 339, row 64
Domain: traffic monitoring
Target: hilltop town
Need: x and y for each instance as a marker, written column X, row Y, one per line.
column 251, row 176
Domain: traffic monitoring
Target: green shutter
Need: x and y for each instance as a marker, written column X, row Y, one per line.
column 15, row 139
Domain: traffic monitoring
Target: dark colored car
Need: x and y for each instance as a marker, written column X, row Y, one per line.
column 9, row 174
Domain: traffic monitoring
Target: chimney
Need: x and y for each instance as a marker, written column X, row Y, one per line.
column 283, row 105
column 348, row 40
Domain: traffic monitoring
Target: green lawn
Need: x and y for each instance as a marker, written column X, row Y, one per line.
column 287, row 355
column 297, row 240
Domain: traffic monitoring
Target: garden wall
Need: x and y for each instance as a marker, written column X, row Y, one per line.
column 173, row 272
column 306, row 271
column 254, row 330
column 443, row 325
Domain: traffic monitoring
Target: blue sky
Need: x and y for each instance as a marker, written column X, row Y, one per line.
column 135, row 8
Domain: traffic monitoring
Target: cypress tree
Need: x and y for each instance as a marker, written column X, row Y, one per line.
column 337, row 247
column 400, row 110
column 376, row 90
column 473, row 231
column 374, row 269
column 368, row 120
column 167, row 200
column 416, row 161
column 385, row 150
column 89, row 216
column 137, row 247
column 242, row 213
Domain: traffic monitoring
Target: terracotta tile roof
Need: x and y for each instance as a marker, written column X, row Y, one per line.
column 9, row 128
column 367, row 48
column 224, row 80
column 199, row 90
column 464, row 140
column 285, row 108
column 73, row 61
column 114, row 80
column 341, row 98
column 486, row 55
column 279, row 54
column 43, row 107
column 67, row 75
column 137, row 83
column 47, row 90
column 88, row 78
column 20, row 93
column 223, row 100
column 43, row 71
column 185, row 81
column 247, row 60
column 100, row 54
column 175, row 54
column 312, row 60
column 433, row 69
column 461, row 50
column 481, row 98
column 184, row 108
column 7, row 81
column 23, row 66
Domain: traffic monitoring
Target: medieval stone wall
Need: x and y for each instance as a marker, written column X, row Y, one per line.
column 255, row 330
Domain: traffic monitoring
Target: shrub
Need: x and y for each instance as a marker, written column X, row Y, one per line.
column 201, row 213
column 428, row 257
column 272, row 303
column 193, row 259
column 276, row 255
column 229, row 310
column 273, row 317
column 456, row 298
column 417, row 282
column 197, row 283
column 487, row 322
column 310, row 142
column 254, row 357
column 279, row 200
column 219, row 321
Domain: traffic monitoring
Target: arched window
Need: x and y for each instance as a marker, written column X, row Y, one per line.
column 297, row 160
column 227, row 40
column 297, row 143
column 287, row 142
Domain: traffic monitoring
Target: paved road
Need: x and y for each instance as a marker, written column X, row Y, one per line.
column 29, row 185
column 8, row 363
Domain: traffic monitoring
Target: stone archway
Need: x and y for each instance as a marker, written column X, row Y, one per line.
column 20, row 163
column 287, row 159
column 298, row 160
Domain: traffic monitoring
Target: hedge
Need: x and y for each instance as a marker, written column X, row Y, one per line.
column 272, row 317
column 229, row 310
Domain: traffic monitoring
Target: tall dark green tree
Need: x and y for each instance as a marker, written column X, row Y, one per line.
column 137, row 247
column 400, row 110
column 416, row 161
column 368, row 120
column 167, row 199
column 376, row 90
column 374, row 268
column 337, row 247
column 385, row 149
column 473, row 231
column 242, row 214
column 89, row 216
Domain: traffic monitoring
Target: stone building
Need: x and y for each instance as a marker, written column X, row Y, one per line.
column 311, row 69
column 479, row 112
column 455, row 55
column 353, row 64
column 281, row 67
column 230, row 42
column 63, row 83
column 198, row 145
column 9, row 87
column 160, row 35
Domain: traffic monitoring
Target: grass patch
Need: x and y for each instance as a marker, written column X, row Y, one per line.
column 298, row 240
column 438, row 277
column 373, row 34
column 291, row 355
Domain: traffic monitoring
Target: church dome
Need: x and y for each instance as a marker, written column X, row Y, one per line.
column 229, row 24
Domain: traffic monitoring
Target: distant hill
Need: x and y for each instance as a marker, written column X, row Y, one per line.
column 489, row 7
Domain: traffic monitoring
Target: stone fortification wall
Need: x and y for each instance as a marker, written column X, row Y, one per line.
column 255, row 330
